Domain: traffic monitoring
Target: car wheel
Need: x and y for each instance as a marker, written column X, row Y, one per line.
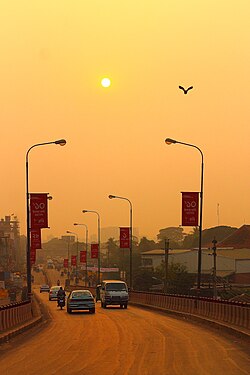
column 125, row 306
column 92, row 311
column 69, row 311
column 49, row 299
column 104, row 305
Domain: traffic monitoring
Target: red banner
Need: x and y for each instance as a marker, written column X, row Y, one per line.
column 65, row 263
column 124, row 238
column 73, row 260
column 83, row 256
column 190, row 209
column 32, row 256
column 35, row 239
column 94, row 250
column 38, row 210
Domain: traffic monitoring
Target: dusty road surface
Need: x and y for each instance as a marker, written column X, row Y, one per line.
column 116, row 341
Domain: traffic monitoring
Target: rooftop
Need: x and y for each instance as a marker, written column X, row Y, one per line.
column 240, row 239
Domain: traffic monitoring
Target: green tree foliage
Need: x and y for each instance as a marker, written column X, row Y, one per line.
column 179, row 281
column 174, row 234
column 146, row 245
column 192, row 239
column 219, row 233
column 143, row 279
column 113, row 253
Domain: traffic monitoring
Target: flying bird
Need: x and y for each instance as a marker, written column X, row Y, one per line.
column 185, row 90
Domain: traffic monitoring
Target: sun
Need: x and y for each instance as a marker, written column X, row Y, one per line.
column 105, row 82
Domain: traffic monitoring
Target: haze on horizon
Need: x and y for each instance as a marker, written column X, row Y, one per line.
column 53, row 57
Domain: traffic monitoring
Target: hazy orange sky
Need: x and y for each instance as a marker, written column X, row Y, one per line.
column 53, row 56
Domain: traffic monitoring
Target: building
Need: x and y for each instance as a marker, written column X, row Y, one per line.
column 239, row 242
column 189, row 258
column 10, row 256
column 233, row 257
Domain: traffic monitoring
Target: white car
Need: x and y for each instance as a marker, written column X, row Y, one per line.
column 53, row 292
column 114, row 292
column 44, row 288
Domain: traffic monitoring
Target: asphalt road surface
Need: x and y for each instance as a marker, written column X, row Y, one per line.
column 116, row 341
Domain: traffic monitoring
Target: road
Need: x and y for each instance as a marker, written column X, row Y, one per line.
column 121, row 342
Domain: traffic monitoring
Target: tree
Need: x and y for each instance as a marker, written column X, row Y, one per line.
column 113, row 255
column 143, row 279
column 174, row 234
column 219, row 233
column 146, row 244
column 192, row 239
column 179, row 281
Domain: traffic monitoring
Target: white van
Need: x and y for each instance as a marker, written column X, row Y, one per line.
column 114, row 292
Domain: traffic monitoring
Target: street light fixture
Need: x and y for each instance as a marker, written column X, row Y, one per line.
column 169, row 141
column 99, row 244
column 68, row 231
column 86, row 271
column 60, row 142
column 131, row 236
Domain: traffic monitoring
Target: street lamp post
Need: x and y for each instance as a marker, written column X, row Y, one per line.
column 169, row 141
column 131, row 237
column 166, row 252
column 68, row 256
column 99, row 244
column 60, row 142
column 214, row 268
column 86, row 270
column 68, row 231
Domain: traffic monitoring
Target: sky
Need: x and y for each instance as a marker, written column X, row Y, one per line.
column 53, row 57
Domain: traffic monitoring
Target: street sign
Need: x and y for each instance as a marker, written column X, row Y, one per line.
column 124, row 238
column 94, row 250
column 190, row 209
column 38, row 210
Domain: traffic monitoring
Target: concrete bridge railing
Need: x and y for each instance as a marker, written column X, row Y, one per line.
column 232, row 313
column 14, row 314
column 236, row 314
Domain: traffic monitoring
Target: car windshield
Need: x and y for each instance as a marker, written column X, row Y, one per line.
column 82, row 294
column 116, row 286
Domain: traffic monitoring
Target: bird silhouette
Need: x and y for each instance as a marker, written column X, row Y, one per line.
column 185, row 90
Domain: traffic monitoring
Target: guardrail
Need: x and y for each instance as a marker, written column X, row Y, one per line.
column 232, row 313
column 13, row 314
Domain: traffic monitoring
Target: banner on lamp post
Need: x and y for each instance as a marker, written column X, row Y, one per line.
column 38, row 210
column 73, row 260
column 190, row 209
column 124, row 238
column 94, row 250
column 32, row 256
column 35, row 238
column 65, row 263
column 83, row 256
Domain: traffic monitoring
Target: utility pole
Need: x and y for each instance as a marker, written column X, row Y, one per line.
column 214, row 268
column 166, row 248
